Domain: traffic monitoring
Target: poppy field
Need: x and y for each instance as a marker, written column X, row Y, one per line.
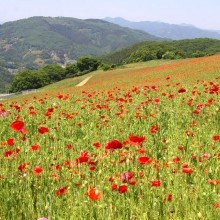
column 136, row 143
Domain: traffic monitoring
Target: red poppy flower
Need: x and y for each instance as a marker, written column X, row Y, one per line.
column 8, row 153
column 182, row 90
column 132, row 182
column 95, row 194
column 141, row 151
column 113, row 145
column 10, row 142
column 154, row 129
column 61, row 191
column 57, row 167
column 92, row 168
column 43, row 130
column 216, row 205
column 23, row 166
column 69, row 146
column 17, row 125
column 181, row 147
column 37, row 170
column 55, row 175
column 155, row 183
column 97, row 144
column 122, row 189
column 216, row 138
column 136, row 139
column 34, row 147
column 144, row 160
column 169, row 198
column 114, row 186
column 214, row 182
column 84, row 157
column 187, row 170
column 24, row 131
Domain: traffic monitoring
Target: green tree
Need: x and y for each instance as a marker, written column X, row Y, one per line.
column 29, row 79
column 105, row 67
column 71, row 70
column 88, row 64
column 55, row 72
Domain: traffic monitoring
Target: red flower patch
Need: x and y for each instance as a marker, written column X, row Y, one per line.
column 18, row 126
column 122, row 189
column 37, row 170
column 113, row 145
column 95, row 194
column 155, row 183
column 144, row 160
column 43, row 130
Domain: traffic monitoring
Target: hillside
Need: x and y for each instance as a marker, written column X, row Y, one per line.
column 36, row 41
column 165, row 30
column 5, row 79
column 180, row 49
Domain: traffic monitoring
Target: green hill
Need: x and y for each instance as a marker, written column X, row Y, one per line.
column 179, row 49
column 5, row 80
column 37, row 41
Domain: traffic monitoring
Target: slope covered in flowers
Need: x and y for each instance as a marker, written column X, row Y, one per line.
column 138, row 143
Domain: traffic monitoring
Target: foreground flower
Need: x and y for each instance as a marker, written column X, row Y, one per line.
column 43, row 130
column 95, row 194
column 61, row 191
column 113, row 145
column 10, row 142
column 216, row 205
column 169, row 198
column 34, row 147
column 155, row 183
column 84, row 157
column 37, row 170
column 18, row 126
column 42, row 218
column 216, row 138
column 23, row 166
column 144, row 160
column 187, row 170
column 214, row 182
column 136, row 140
column 122, row 189
column 182, row 90
column 154, row 129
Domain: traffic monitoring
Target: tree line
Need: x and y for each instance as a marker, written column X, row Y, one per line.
column 34, row 79
column 179, row 49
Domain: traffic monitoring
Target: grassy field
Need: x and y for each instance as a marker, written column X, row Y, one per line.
column 142, row 142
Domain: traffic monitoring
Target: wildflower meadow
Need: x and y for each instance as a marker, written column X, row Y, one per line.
column 141, row 142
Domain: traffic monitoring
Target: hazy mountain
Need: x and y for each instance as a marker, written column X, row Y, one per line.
column 36, row 41
column 171, row 31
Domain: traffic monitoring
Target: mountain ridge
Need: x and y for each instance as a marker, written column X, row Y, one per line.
column 165, row 30
column 37, row 41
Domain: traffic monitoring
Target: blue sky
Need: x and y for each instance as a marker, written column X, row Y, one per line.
column 201, row 13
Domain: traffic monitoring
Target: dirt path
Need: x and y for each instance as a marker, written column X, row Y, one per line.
column 84, row 81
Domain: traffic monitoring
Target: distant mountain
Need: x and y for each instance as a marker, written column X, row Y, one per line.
column 37, row 41
column 164, row 30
